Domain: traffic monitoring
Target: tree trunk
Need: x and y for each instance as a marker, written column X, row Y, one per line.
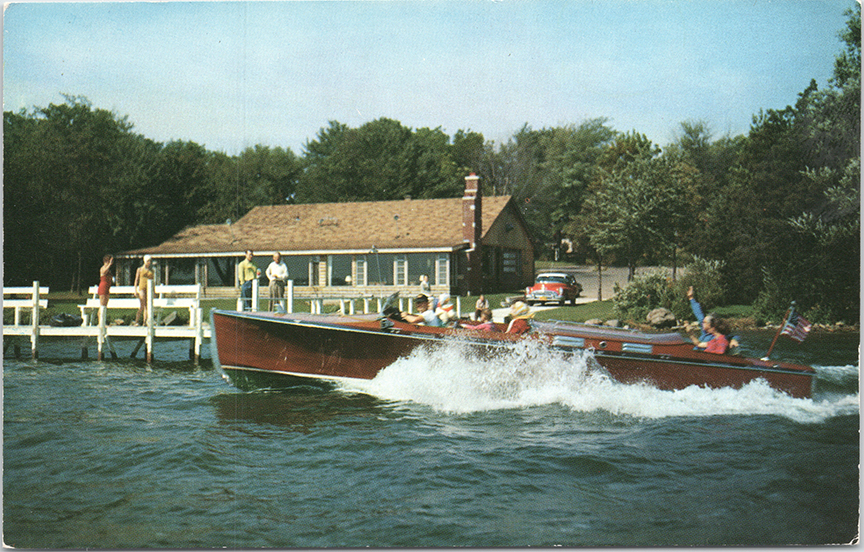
column 599, row 277
column 76, row 278
column 675, row 262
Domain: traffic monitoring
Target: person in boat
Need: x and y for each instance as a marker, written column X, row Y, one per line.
column 711, row 326
column 426, row 317
column 718, row 329
column 484, row 322
column 444, row 310
column 520, row 314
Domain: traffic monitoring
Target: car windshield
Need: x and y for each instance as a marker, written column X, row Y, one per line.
column 551, row 279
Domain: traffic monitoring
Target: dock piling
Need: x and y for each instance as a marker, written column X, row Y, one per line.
column 150, row 333
column 100, row 335
column 34, row 336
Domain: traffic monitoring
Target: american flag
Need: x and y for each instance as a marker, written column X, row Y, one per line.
column 796, row 327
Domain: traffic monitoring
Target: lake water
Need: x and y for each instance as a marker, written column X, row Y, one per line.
column 437, row 451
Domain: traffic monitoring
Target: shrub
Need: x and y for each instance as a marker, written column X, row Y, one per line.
column 707, row 281
column 655, row 289
column 644, row 294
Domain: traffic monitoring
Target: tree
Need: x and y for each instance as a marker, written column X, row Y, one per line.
column 847, row 65
column 815, row 240
column 547, row 172
column 383, row 160
column 637, row 202
column 26, row 203
column 78, row 157
column 570, row 164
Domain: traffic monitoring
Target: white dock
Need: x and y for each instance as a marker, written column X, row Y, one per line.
column 158, row 297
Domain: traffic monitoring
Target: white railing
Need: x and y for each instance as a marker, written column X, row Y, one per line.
column 23, row 298
column 163, row 297
column 348, row 304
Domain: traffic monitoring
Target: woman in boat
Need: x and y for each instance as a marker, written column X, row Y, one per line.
column 718, row 329
column 484, row 322
column 520, row 314
column 707, row 322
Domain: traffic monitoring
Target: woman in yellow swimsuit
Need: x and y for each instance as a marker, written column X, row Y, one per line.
column 142, row 276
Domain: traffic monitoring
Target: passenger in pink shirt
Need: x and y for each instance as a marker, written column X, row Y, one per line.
column 717, row 327
column 484, row 323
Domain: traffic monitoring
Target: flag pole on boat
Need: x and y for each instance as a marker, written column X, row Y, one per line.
column 794, row 325
column 780, row 329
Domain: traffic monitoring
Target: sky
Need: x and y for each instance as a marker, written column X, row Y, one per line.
column 231, row 75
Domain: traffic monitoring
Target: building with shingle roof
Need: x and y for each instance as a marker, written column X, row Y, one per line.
column 470, row 244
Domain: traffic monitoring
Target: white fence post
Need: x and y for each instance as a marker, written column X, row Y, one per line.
column 199, row 332
column 289, row 296
column 34, row 337
column 149, row 339
column 100, row 336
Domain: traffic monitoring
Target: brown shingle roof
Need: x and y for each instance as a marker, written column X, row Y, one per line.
column 408, row 224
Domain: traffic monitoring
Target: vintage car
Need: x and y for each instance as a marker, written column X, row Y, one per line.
column 553, row 287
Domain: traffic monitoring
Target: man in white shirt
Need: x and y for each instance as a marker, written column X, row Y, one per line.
column 277, row 273
column 427, row 316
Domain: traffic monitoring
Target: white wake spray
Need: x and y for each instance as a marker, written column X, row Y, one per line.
column 453, row 379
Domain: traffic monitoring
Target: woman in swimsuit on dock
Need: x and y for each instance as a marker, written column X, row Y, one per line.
column 142, row 276
column 106, row 278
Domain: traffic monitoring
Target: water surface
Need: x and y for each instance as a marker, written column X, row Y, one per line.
column 440, row 450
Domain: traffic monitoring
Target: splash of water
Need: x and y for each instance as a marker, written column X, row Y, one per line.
column 455, row 379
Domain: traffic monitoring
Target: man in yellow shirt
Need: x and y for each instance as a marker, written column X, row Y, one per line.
column 247, row 272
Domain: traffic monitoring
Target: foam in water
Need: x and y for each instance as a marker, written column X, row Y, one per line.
column 453, row 379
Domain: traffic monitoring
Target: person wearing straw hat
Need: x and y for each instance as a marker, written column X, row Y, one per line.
column 520, row 314
column 445, row 310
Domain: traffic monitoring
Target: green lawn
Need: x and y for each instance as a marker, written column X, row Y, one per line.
column 579, row 313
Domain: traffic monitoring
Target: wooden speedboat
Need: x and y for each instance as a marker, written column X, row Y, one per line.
column 282, row 350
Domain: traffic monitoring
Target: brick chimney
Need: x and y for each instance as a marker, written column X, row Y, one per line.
column 472, row 232
column 472, row 207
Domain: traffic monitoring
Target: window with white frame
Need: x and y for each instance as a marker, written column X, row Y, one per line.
column 360, row 272
column 442, row 270
column 400, row 270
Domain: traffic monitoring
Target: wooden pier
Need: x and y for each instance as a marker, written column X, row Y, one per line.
column 160, row 298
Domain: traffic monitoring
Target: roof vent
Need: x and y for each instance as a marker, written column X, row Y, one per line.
column 328, row 221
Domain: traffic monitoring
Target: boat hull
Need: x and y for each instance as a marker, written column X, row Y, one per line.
column 678, row 374
column 266, row 350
